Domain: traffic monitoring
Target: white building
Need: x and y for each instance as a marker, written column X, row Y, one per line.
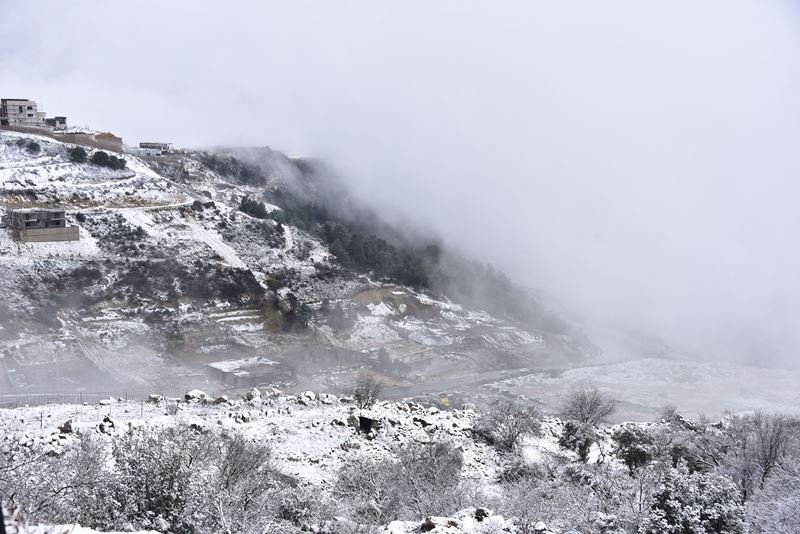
column 20, row 112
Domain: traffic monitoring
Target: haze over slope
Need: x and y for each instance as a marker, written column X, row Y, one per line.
column 638, row 161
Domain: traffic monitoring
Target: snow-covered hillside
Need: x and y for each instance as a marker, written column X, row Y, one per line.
column 170, row 275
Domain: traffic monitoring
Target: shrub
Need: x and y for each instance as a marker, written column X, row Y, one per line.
column 33, row 147
column 578, row 437
column 695, row 502
column 77, row 155
column 103, row 159
column 505, row 422
column 100, row 158
column 253, row 208
column 588, row 405
column 634, row 446
column 366, row 390
column 521, row 469
column 116, row 163
column 553, row 502
column 422, row 481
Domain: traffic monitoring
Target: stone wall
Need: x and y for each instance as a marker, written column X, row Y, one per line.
column 41, row 235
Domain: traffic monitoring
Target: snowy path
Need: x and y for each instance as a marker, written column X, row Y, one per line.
column 215, row 242
column 288, row 237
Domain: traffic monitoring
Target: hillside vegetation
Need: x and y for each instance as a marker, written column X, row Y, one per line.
column 269, row 462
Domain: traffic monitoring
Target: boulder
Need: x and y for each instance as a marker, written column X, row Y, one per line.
column 421, row 422
column 66, row 428
column 481, row 514
column 161, row 524
column 222, row 399
column 427, row 525
column 195, row 395
column 242, row 417
column 253, row 395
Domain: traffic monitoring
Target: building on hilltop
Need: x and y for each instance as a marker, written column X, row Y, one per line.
column 56, row 123
column 153, row 149
column 40, row 224
column 21, row 112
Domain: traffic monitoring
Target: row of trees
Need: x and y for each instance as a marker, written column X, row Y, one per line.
column 99, row 157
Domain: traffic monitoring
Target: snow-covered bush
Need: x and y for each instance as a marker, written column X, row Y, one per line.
column 695, row 503
column 578, row 437
column 634, row 446
column 175, row 478
column 423, row 480
column 556, row 502
column 78, row 154
column 505, row 422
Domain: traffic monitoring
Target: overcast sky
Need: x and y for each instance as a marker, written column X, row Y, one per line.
column 639, row 160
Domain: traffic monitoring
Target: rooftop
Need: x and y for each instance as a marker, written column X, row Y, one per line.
column 239, row 366
column 35, row 210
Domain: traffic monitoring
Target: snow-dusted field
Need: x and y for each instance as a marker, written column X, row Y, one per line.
column 646, row 384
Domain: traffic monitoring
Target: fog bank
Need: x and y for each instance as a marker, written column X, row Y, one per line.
column 637, row 161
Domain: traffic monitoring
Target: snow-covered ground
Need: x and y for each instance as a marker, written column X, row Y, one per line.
column 57, row 180
column 311, row 435
column 646, row 384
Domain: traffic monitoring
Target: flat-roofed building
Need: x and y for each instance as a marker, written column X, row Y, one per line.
column 56, row 123
column 40, row 224
column 20, row 112
column 246, row 371
column 154, row 149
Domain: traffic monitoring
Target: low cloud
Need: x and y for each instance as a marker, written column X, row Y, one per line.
column 637, row 161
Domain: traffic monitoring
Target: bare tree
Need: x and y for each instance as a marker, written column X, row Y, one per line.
column 246, row 486
column 505, row 422
column 366, row 390
column 529, row 501
column 756, row 446
column 588, row 405
column 776, row 507
column 668, row 413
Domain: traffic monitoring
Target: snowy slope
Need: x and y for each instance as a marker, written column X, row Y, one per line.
column 169, row 275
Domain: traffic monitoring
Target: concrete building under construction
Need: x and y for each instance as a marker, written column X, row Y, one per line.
column 39, row 225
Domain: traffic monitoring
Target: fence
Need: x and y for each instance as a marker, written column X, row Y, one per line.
column 12, row 400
